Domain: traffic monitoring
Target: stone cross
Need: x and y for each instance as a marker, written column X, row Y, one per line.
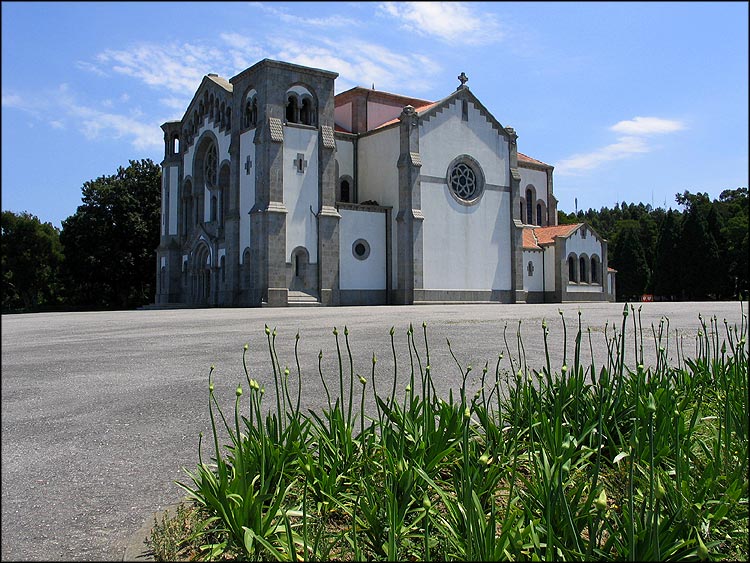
column 300, row 162
column 463, row 79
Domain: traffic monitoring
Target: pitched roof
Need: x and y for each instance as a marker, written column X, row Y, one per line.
column 547, row 235
column 529, row 239
column 528, row 160
column 419, row 110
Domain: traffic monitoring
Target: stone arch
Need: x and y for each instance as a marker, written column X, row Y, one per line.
column 572, row 268
column 583, row 269
column 206, row 145
column 529, row 200
column 596, row 266
column 200, row 274
column 250, row 109
column 247, row 268
column 301, row 104
column 345, row 190
column 300, row 270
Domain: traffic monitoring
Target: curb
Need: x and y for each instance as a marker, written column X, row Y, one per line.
column 136, row 549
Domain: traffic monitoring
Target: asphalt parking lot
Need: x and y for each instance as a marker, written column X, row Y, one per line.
column 102, row 410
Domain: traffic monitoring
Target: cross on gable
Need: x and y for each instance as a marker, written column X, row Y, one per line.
column 463, row 79
column 300, row 163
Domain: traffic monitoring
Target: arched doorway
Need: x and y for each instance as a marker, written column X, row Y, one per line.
column 201, row 276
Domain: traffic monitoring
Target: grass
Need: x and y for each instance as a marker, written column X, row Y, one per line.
column 581, row 462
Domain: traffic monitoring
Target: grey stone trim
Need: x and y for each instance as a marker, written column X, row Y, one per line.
column 349, row 297
column 464, row 295
column 328, row 138
column 277, row 130
column 360, row 207
column 443, row 182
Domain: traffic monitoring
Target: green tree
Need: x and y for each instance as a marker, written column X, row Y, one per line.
column 629, row 259
column 31, row 259
column 699, row 253
column 733, row 208
column 666, row 272
column 109, row 242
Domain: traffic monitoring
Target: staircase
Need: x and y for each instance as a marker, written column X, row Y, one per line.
column 302, row 299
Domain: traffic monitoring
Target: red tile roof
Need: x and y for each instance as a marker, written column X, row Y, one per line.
column 529, row 239
column 523, row 158
column 547, row 235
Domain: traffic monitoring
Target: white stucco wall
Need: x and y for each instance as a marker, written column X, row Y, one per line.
column 368, row 273
column 247, row 188
column 378, row 179
column 445, row 136
column 301, row 190
column 535, row 282
column 342, row 116
column 345, row 157
column 549, row 268
column 538, row 179
column 465, row 246
column 590, row 246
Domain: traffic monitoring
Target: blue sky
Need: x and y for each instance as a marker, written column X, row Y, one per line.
column 630, row 102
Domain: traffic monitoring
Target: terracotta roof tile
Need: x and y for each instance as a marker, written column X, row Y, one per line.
column 529, row 239
column 546, row 235
column 523, row 158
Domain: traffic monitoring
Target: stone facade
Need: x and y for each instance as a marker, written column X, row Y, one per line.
column 263, row 168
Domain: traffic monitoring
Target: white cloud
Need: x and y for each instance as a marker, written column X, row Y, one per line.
column 362, row 64
column 329, row 22
column 453, row 22
column 631, row 142
column 647, row 126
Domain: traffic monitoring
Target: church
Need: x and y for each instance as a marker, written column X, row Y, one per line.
column 278, row 192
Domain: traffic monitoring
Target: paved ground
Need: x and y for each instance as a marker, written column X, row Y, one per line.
column 101, row 411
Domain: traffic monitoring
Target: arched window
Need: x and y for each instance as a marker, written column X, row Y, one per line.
column 213, row 208
column 530, row 268
column 582, row 269
column 209, row 169
column 345, row 195
column 228, row 119
column 292, row 110
column 520, row 211
column 529, row 207
column 222, row 269
column 539, row 214
column 572, row 269
column 306, row 112
column 595, row 269
column 251, row 111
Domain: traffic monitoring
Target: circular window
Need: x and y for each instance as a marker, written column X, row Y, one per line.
column 361, row 249
column 465, row 179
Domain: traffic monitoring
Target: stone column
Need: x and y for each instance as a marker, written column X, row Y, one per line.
column 409, row 219
column 268, row 216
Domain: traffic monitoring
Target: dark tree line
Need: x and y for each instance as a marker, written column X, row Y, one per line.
column 696, row 253
column 103, row 258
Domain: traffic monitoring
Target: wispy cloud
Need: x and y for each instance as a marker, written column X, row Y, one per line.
column 449, row 21
column 334, row 21
column 647, row 126
column 632, row 141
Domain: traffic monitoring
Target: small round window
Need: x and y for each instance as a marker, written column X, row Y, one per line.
column 361, row 249
column 465, row 179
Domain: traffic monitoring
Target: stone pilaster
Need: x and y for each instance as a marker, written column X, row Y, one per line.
column 328, row 218
column 410, row 259
column 516, row 224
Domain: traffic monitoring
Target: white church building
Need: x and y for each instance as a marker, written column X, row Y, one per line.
column 276, row 191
